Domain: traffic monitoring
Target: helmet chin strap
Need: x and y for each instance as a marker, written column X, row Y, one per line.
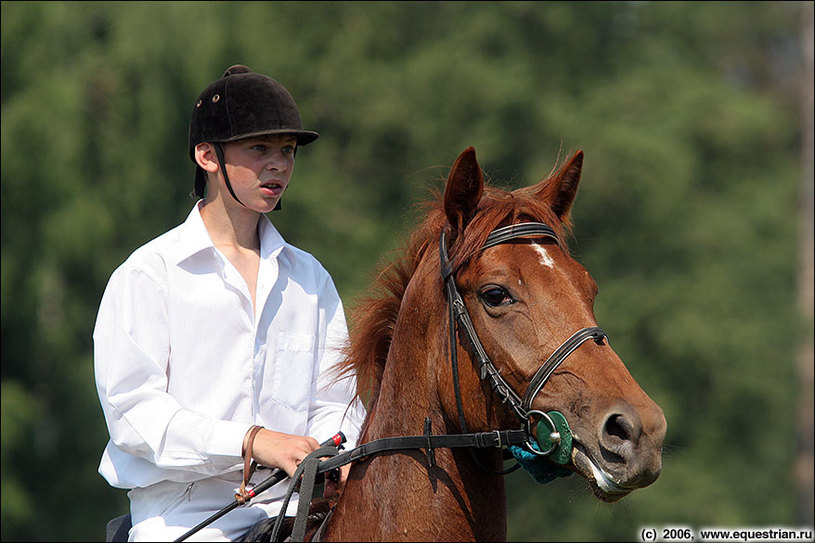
column 219, row 152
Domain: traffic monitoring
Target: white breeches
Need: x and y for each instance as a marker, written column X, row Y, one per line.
column 165, row 511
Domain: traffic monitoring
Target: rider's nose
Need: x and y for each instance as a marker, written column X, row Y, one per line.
column 276, row 161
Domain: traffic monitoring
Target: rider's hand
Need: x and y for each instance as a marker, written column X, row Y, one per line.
column 279, row 450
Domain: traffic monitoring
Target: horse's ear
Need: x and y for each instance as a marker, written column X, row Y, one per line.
column 465, row 185
column 560, row 190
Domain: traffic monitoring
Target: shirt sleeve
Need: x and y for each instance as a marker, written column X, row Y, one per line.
column 131, row 352
column 333, row 407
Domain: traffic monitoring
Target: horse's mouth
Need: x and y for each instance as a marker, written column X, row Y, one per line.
column 604, row 486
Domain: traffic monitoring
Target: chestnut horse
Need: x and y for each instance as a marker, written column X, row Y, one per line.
column 525, row 296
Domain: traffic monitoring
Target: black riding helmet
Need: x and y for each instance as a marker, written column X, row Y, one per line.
column 239, row 105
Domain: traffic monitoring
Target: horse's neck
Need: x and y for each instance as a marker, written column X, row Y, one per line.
column 398, row 496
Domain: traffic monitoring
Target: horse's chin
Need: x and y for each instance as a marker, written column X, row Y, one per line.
column 602, row 484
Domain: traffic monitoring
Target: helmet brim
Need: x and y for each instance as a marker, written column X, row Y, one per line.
column 304, row 137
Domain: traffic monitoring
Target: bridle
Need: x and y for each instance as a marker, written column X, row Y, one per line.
column 459, row 319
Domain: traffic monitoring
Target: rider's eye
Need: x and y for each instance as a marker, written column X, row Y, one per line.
column 495, row 296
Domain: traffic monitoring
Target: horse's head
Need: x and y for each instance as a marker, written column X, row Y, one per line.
column 526, row 296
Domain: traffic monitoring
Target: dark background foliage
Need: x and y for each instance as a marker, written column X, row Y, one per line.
column 690, row 115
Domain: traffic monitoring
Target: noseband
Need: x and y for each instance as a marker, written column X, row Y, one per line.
column 459, row 319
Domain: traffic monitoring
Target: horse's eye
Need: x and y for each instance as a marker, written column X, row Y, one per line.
column 495, row 296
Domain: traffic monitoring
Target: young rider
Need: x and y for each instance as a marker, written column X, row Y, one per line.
column 219, row 327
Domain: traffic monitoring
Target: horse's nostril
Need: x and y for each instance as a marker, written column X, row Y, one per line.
column 622, row 428
column 617, row 426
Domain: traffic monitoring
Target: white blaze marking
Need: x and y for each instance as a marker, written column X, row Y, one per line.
column 545, row 259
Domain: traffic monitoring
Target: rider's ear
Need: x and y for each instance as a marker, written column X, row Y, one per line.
column 465, row 185
column 205, row 157
column 560, row 190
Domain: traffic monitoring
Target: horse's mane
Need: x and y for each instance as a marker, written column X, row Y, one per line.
column 373, row 318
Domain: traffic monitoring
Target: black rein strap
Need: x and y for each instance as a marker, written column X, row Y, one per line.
column 311, row 466
column 480, row 440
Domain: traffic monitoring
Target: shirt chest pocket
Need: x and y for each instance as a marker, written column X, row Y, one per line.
column 293, row 370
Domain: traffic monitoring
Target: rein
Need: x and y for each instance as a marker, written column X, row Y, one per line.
column 311, row 466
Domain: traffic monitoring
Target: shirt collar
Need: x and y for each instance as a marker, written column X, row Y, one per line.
column 195, row 238
column 271, row 242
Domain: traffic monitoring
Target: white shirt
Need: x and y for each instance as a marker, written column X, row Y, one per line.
column 184, row 366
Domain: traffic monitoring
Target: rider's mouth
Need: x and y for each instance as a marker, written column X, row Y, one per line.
column 604, row 486
column 272, row 188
